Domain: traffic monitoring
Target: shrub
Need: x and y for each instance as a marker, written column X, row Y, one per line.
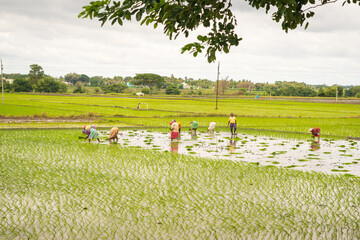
column 172, row 89
column 145, row 90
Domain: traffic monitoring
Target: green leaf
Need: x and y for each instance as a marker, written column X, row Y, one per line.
column 138, row 16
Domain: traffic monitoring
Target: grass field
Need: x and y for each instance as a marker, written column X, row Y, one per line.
column 54, row 186
column 335, row 119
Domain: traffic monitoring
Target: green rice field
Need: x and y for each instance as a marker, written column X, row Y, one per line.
column 56, row 185
column 42, row 111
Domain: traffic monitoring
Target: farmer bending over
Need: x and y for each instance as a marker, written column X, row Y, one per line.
column 315, row 132
column 114, row 134
column 232, row 123
column 86, row 130
column 194, row 126
column 93, row 134
column 212, row 127
column 174, row 130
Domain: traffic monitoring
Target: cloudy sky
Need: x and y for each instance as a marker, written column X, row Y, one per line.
column 49, row 33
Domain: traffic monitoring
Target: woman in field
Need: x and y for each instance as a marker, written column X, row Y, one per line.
column 114, row 134
column 86, row 130
column 194, row 126
column 211, row 127
column 174, row 130
column 315, row 132
column 93, row 133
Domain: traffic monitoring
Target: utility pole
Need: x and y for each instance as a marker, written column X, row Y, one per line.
column 2, row 82
column 217, row 85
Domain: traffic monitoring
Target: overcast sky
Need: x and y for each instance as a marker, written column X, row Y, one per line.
column 49, row 33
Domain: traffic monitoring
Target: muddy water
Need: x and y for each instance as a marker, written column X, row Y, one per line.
column 330, row 156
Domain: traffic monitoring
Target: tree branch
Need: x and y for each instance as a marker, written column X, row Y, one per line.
column 319, row 5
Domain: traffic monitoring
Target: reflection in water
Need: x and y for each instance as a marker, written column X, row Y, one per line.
column 232, row 144
column 193, row 136
column 315, row 145
column 174, row 146
column 211, row 135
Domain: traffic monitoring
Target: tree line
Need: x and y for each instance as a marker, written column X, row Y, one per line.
column 36, row 80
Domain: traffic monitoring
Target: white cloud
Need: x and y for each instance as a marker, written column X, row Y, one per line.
column 48, row 32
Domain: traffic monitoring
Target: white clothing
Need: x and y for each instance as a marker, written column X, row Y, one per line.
column 212, row 126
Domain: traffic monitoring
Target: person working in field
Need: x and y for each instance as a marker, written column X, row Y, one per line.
column 232, row 123
column 315, row 132
column 114, row 134
column 93, row 133
column 212, row 126
column 177, row 123
column 174, row 130
column 194, row 126
column 86, row 130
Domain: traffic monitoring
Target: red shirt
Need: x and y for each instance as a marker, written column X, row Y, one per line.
column 315, row 131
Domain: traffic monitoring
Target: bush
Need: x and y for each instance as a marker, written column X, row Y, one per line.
column 21, row 85
column 50, row 85
column 115, row 88
column 79, row 88
column 357, row 95
column 145, row 90
column 172, row 89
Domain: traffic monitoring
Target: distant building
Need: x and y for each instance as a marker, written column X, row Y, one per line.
column 186, row 86
column 9, row 80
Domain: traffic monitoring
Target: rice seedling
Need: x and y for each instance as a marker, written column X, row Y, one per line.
column 55, row 186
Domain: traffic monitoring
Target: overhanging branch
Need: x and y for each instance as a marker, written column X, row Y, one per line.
column 319, row 5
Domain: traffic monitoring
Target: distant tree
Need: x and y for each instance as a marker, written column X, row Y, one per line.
column 172, row 89
column 79, row 88
column 352, row 91
column 223, row 86
column 321, row 92
column 246, row 84
column 294, row 89
column 7, row 86
column 97, row 90
column 21, row 85
column 84, row 78
column 128, row 79
column 118, row 79
column 115, row 88
column 50, row 85
column 145, row 90
column 97, row 81
column 15, row 75
column 270, row 88
column 150, row 80
column 259, row 86
column 72, row 78
column 331, row 91
column 35, row 74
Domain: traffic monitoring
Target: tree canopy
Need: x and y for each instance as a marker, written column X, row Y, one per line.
column 35, row 74
column 184, row 16
column 150, row 80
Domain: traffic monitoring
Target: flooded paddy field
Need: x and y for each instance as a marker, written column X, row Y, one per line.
column 327, row 155
column 55, row 186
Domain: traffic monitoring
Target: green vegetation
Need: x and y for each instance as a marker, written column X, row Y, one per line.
column 270, row 115
column 55, row 186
